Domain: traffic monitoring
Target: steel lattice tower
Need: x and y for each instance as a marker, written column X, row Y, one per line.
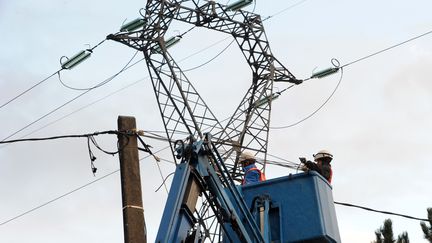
column 183, row 110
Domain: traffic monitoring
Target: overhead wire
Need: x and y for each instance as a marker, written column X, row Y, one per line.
column 112, row 93
column 284, row 10
column 94, row 181
column 27, row 90
column 60, row 137
column 386, row 49
column 90, row 140
column 211, row 59
column 380, row 211
column 78, row 110
column 317, row 109
column 69, row 192
column 56, row 198
column 164, row 180
column 93, row 87
column 339, row 203
column 341, row 67
column 42, row 81
column 76, row 97
column 88, row 105
column 290, row 164
column 86, row 90
column 157, row 159
column 204, row 49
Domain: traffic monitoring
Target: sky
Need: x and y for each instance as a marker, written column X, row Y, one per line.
column 377, row 124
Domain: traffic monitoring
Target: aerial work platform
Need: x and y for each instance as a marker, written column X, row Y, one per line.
column 294, row 208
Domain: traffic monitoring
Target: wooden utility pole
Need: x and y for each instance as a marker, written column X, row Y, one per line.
column 133, row 212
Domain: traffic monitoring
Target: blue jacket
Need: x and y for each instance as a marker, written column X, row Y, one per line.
column 251, row 176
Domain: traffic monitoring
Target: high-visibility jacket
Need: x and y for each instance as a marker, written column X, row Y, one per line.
column 253, row 174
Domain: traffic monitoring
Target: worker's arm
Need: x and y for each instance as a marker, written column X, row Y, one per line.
column 308, row 165
column 312, row 166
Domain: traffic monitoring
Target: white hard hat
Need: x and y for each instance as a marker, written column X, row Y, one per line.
column 323, row 154
column 246, row 156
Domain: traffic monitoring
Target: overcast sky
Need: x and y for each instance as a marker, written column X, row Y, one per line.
column 377, row 124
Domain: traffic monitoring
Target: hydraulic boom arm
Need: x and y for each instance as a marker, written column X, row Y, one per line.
column 196, row 176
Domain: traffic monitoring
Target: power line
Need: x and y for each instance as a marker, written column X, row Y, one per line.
column 27, row 90
column 87, row 90
column 210, row 60
column 379, row 211
column 90, row 139
column 79, row 109
column 164, row 180
column 94, row 181
column 73, row 99
column 284, row 10
column 83, row 107
column 388, row 48
column 348, row 64
column 318, row 109
column 204, row 49
column 42, row 117
column 93, row 87
column 112, row 93
column 42, row 81
column 61, row 137
column 57, row 198
column 69, row 192
column 290, row 164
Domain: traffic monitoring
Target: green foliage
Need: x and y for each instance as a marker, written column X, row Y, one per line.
column 403, row 238
column 427, row 230
column 385, row 234
column 378, row 236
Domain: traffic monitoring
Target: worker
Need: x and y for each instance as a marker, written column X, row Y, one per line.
column 252, row 173
column 322, row 164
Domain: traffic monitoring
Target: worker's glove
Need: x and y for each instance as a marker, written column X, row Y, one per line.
column 302, row 160
column 304, row 168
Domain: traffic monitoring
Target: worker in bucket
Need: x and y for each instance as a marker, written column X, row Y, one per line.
column 321, row 165
column 252, row 173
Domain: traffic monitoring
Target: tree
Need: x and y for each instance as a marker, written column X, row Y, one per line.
column 403, row 238
column 427, row 230
column 378, row 236
column 385, row 234
column 387, row 231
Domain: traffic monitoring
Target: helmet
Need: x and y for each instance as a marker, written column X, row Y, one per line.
column 246, row 156
column 323, row 154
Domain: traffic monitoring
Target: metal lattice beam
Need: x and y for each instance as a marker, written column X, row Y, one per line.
column 183, row 110
column 249, row 124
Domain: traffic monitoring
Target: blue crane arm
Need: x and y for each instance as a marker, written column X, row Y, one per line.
column 196, row 176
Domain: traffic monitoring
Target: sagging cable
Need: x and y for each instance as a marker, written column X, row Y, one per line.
column 146, row 146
